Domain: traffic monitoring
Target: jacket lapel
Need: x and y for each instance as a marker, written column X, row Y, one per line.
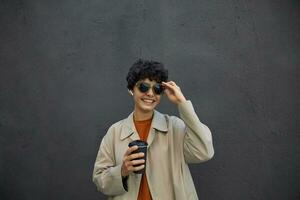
column 159, row 124
column 128, row 129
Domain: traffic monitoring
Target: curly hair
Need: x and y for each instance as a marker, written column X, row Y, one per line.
column 143, row 69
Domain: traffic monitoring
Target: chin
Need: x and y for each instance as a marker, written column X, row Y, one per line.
column 148, row 109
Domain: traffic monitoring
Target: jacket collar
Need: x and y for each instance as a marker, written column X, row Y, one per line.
column 158, row 123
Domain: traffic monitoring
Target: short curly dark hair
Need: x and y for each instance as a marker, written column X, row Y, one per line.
column 143, row 69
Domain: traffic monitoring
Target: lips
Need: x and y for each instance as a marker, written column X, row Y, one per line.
column 148, row 100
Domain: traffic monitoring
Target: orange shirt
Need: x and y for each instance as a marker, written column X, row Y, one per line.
column 143, row 128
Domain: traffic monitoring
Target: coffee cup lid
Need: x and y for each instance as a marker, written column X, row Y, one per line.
column 139, row 143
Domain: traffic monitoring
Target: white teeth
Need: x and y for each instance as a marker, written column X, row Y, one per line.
column 148, row 100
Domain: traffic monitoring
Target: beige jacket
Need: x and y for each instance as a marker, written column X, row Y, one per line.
column 172, row 144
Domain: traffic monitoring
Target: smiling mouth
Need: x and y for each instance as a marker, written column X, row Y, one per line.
column 148, row 100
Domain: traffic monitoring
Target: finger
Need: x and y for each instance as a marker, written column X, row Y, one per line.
column 174, row 84
column 170, row 82
column 130, row 150
column 170, row 86
column 137, row 162
column 135, row 156
column 130, row 165
column 138, row 168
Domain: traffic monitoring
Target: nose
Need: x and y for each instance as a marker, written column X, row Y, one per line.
column 150, row 92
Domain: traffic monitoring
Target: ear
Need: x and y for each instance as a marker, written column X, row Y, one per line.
column 130, row 92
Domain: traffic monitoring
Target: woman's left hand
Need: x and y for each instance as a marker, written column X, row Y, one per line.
column 173, row 92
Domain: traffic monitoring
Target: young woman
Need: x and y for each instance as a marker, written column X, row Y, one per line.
column 172, row 142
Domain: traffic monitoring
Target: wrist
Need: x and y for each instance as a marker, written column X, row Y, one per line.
column 181, row 100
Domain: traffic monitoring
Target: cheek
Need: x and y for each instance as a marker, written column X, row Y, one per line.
column 136, row 98
column 158, row 99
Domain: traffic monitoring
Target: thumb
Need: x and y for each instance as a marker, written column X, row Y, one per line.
column 167, row 91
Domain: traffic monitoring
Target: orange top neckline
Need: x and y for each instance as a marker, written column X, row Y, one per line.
column 143, row 121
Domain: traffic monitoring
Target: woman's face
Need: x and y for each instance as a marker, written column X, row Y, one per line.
column 145, row 101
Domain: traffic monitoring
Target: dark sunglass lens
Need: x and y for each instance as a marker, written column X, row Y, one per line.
column 144, row 87
column 158, row 88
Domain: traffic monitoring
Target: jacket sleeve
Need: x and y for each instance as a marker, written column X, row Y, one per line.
column 197, row 144
column 106, row 174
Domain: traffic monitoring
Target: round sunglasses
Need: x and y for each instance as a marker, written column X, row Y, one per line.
column 144, row 87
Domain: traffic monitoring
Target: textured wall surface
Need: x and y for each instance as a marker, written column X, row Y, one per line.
column 62, row 84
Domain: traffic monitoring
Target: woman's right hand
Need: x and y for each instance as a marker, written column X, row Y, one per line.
column 129, row 162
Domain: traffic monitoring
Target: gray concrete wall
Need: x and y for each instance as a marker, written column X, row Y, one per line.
column 62, row 84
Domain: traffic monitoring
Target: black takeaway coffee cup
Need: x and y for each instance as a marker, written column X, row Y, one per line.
column 142, row 148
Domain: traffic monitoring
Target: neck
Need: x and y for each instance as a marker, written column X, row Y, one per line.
column 140, row 116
